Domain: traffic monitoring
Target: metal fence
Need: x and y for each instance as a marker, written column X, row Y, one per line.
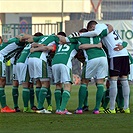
column 11, row 30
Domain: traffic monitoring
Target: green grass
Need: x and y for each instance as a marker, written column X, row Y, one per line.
column 52, row 123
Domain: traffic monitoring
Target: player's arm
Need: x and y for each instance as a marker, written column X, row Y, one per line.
column 87, row 46
column 97, row 31
column 64, row 40
column 120, row 46
column 34, row 45
column 43, row 48
column 24, row 36
column 110, row 28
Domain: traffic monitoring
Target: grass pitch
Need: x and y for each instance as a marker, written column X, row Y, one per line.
column 75, row 123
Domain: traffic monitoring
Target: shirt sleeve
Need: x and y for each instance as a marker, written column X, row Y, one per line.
column 36, row 39
column 71, row 40
column 98, row 30
column 51, row 39
column 11, row 40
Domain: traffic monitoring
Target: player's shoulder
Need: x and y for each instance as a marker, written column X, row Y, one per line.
column 102, row 25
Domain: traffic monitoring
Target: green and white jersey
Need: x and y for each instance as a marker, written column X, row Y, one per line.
column 39, row 54
column 52, row 39
column 39, row 38
column 64, row 54
column 10, row 46
column 109, row 41
column 91, row 53
column 24, row 54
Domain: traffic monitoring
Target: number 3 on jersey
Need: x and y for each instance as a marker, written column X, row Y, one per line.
column 116, row 35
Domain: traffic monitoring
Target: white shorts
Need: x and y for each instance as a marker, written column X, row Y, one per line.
column 15, row 77
column 96, row 68
column 37, row 69
column 2, row 67
column 49, row 68
column 61, row 73
column 22, row 72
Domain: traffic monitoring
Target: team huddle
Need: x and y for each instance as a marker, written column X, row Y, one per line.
column 39, row 58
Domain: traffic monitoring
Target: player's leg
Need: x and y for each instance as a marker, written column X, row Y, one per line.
column 83, row 89
column 99, row 71
column 126, row 93
column 58, row 96
column 49, row 98
column 99, row 95
column 113, row 93
column 2, row 92
column 45, row 85
column 42, row 97
column 32, row 96
column 125, row 84
column 114, row 71
column 65, row 98
column 62, row 75
column 58, row 92
column 15, row 95
column 119, row 98
column 86, row 104
column 4, row 107
column 38, row 88
column 49, row 93
column 15, row 92
column 105, row 99
column 81, row 95
column 26, row 97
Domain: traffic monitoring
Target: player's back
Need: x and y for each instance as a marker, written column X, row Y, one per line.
column 110, row 42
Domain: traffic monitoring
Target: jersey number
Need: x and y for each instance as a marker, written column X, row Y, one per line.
column 63, row 47
column 116, row 35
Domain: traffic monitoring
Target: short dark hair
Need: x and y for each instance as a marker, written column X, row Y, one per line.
column 90, row 23
column 83, row 30
column 38, row 34
column 61, row 33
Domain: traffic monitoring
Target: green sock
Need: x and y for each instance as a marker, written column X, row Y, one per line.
column 32, row 97
column 58, row 97
column 99, row 95
column 86, row 98
column 26, row 96
column 15, row 95
column 2, row 97
column 65, row 98
column 49, row 94
column 105, row 99
column 119, row 98
column 37, row 91
column 82, row 95
column 42, row 96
